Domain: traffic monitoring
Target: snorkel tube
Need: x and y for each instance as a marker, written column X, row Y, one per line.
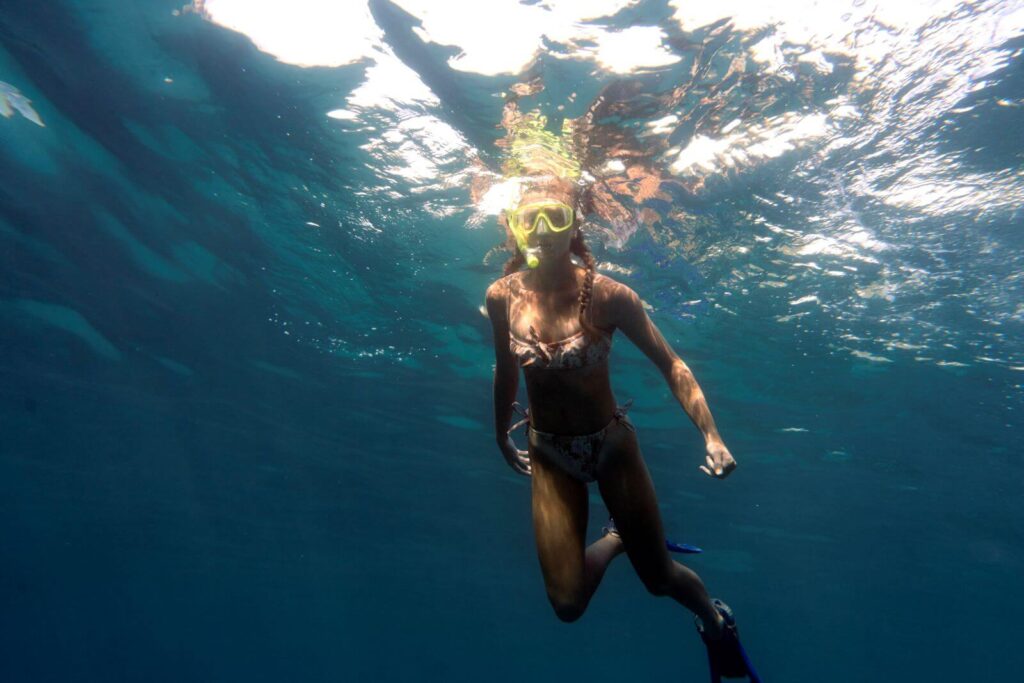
column 532, row 254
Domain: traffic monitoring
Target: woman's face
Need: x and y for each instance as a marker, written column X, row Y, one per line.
column 551, row 244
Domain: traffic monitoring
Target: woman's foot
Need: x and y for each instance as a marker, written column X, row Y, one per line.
column 610, row 535
column 713, row 628
column 726, row 655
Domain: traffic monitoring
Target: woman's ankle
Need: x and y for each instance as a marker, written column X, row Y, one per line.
column 713, row 622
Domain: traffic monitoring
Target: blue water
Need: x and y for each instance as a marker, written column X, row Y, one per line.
column 245, row 418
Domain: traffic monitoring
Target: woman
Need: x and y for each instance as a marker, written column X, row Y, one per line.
column 556, row 320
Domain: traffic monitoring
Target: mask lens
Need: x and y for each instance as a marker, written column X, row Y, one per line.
column 559, row 217
column 528, row 218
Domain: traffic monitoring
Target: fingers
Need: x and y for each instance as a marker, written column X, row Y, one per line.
column 517, row 459
column 519, row 462
column 713, row 465
column 715, row 470
column 720, row 474
column 519, row 467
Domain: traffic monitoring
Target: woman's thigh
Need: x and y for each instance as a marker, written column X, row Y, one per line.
column 628, row 491
column 560, row 525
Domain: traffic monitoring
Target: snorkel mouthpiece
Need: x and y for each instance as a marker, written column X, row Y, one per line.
column 530, row 253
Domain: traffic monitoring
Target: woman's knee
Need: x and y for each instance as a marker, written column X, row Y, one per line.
column 567, row 607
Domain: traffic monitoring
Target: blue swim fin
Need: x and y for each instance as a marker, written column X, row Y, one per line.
column 726, row 656
column 682, row 547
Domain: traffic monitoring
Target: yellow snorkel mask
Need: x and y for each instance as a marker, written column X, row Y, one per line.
column 524, row 219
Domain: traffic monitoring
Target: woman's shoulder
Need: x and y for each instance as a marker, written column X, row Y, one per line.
column 499, row 289
column 609, row 288
column 613, row 298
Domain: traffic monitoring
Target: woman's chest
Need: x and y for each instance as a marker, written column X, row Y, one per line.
column 553, row 317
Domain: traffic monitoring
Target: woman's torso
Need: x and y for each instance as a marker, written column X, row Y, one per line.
column 566, row 372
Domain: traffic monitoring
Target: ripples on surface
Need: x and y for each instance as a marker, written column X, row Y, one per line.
column 823, row 163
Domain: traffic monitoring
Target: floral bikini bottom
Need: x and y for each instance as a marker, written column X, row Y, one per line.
column 576, row 455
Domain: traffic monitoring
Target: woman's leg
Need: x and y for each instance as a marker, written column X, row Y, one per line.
column 626, row 487
column 560, row 508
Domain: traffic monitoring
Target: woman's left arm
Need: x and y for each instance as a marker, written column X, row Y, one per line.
column 628, row 314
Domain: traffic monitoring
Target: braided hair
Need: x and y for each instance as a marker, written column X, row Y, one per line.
column 580, row 248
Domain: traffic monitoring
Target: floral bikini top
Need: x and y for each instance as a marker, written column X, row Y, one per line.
column 572, row 352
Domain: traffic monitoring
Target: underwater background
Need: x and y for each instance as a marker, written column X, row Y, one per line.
column 246, row 428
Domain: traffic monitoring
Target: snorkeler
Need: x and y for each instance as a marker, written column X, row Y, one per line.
column 555, row 320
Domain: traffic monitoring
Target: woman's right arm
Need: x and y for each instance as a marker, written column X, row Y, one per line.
column 506, row 377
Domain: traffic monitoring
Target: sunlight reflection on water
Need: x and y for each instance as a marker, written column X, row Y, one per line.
column 809, row 157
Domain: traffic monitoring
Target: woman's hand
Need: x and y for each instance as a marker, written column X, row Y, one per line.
column 720, row 462
column 516, row 459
